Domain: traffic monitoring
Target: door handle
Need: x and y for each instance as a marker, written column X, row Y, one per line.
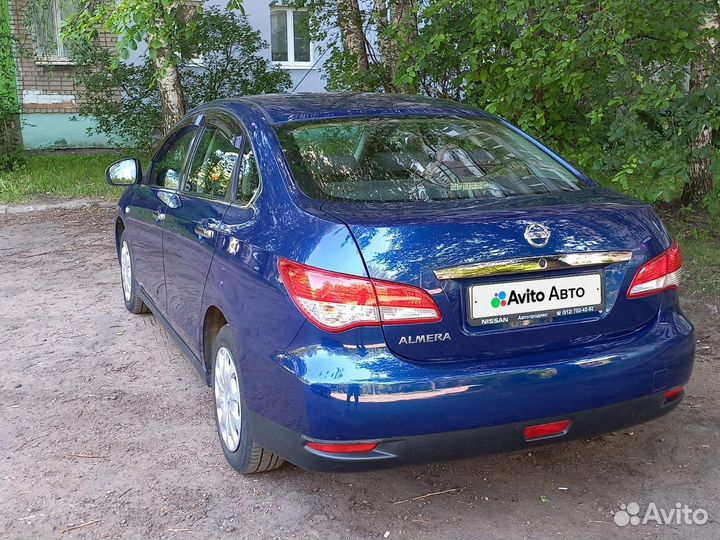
column 204, row 232
column 159, row 216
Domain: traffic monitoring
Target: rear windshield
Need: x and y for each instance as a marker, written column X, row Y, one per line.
column 401, row 159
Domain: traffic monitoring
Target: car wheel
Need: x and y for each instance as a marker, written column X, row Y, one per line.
column 129, row 286
column 231, row 416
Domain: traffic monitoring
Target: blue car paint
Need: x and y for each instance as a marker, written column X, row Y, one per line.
column 418, row 399
column 361, row 384
column 469, row 233
column 146, row 238
column 187, row 258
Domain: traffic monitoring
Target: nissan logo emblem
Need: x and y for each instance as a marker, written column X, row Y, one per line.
column 537, row 235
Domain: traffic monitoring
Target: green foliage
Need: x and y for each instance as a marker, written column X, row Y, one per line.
column 604, row 83
column 164, row 26
column 339, row 66
column 124, row 100
column 10, row 139
column 231, row 63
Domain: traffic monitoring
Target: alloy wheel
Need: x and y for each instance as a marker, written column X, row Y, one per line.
column 227, row 399
column 126, row 270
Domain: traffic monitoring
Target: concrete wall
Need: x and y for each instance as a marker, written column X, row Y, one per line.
column 58, row 130
column 49, row 96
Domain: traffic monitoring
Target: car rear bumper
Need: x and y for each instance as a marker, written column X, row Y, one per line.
column 341, row 393
column 400, row 451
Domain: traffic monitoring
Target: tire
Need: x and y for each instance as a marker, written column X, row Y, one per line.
column 238, row 445
column 129, row 285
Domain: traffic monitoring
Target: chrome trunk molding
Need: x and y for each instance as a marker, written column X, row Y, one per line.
column 533, row 264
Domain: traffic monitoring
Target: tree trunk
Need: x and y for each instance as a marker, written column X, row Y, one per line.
column 172, row 97
column 405, row 27
column 387, row 46
column 700, row 180
column 402, row 16
column 353, row 39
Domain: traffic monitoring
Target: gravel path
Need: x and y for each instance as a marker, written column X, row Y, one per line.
column 106, row 431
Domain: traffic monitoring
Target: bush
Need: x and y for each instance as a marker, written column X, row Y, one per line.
column 10, row 138
column 231, row 64
column 222, row 60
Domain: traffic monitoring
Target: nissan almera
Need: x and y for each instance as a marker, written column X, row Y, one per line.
column 374, row 280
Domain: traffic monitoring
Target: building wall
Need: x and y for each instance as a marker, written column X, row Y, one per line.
column 59, row 130
column 49, row 97
column 258, row 15
column 304, row 80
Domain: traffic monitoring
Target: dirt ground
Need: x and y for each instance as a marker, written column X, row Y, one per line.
column 106, row 426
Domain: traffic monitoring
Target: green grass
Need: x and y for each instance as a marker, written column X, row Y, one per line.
column 61, row 174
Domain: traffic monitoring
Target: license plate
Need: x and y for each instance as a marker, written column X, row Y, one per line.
column 535, row 299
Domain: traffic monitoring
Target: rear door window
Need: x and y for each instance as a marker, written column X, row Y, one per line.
column 213, row 164
column 249, row 177
column 169, row 162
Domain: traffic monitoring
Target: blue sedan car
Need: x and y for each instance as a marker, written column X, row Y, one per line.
column 374, row 280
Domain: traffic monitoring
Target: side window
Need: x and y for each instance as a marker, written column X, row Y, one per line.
column 213, row 164
column 168, row 164
column 249, row 177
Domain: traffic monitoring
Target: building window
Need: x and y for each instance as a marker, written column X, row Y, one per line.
column 48, row 21
column 290, row 37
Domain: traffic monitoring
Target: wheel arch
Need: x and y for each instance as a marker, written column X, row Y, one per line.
column 119, row 229
column 213, row 321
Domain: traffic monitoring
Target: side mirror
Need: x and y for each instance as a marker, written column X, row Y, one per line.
column 125, row 172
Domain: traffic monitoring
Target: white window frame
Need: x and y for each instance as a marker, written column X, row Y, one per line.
column 291, row 63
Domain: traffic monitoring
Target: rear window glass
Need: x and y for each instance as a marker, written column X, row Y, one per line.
column 400, row 159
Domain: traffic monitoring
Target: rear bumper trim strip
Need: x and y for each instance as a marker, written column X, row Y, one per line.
column 533, row 264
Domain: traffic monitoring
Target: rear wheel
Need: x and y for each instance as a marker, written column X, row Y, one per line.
column 129, row 286
column 231, row 417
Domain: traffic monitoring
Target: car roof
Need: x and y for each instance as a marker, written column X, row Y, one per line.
column 283, row 108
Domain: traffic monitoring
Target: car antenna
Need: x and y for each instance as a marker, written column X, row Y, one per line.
column 307, row 71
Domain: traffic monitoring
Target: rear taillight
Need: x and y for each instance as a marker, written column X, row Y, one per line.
column 337, row 302
column 658, row 274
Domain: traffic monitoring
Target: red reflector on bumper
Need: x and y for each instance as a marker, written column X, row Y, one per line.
column 342, row 448
column 547, row 430
column 675, row 392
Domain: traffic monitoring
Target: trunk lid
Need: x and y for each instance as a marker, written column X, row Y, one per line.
column 411, row 242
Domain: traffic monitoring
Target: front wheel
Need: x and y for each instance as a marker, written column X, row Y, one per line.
column 133, row 303
column 231, row 417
